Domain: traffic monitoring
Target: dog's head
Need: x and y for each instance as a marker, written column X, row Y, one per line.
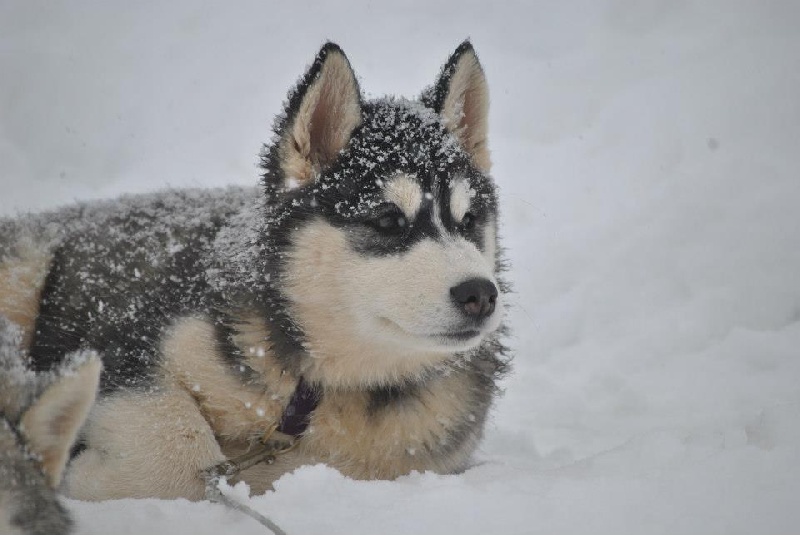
column 385, row 217
column 40, row 416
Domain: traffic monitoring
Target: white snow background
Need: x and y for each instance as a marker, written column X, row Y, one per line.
column 648, row 154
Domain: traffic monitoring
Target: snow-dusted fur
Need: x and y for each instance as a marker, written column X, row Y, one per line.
column 367, row 265
column 40, row 415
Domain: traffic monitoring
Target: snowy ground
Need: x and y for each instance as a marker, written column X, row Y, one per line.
column 650, row 169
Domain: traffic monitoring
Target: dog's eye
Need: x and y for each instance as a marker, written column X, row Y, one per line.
column 468, row 221
column 391, row 223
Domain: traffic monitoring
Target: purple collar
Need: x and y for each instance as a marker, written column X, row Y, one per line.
column 297, row 414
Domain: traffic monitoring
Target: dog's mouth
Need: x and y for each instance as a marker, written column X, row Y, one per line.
column 456, row 336
column 451, row 340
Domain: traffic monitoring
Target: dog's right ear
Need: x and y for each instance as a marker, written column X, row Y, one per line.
column 461, row 97
column 52, row 422
column 321, row 115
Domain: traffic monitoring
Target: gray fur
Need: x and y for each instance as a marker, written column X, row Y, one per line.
column 28, row 504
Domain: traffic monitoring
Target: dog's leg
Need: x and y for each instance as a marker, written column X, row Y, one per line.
column 144, row 445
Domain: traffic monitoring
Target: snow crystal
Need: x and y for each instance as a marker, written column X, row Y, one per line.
column 292, row 183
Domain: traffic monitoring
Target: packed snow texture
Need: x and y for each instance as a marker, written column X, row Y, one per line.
column 647, row 154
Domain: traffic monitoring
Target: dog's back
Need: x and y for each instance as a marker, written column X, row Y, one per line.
column 101, row 272
column 40, row 415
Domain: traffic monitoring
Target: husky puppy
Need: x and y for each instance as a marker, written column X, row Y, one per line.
column 40, row 415
column 353, row 301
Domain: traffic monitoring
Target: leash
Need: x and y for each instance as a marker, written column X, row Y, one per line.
column 219, row 497
column 294, row 422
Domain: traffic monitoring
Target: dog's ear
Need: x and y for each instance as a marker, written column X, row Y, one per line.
column 52, row 422
column 321, row 115
column 461, row 97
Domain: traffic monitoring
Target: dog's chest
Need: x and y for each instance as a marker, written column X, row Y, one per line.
column 365, row 434
column 423, row 429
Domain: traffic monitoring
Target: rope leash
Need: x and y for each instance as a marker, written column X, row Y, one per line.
column 218, row 497
column 272, row 446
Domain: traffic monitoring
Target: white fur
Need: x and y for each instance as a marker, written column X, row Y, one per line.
column 460, row 199
column 153, row 446
column 406, row 193
column 490, row 241
column 436, row 217
column 390, row 311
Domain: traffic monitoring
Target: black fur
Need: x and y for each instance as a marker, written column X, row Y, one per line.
column 225, row 328
column 123, row 273
column 389, row 397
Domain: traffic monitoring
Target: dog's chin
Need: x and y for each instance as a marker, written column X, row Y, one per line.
column 452, row 340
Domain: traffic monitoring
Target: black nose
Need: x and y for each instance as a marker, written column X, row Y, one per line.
column 476, row 297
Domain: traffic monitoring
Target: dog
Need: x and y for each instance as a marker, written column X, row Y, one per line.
column 40, row 415
column 350, row 307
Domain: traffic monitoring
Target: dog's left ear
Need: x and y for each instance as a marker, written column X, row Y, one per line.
column 322, row 113
column 52, row 423
column 461, row 97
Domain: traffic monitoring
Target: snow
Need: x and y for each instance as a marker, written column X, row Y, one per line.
column 647, row 154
